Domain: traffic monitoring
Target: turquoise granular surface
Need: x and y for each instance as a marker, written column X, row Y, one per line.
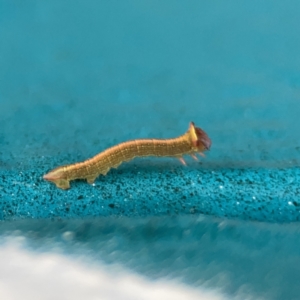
column 147, row 188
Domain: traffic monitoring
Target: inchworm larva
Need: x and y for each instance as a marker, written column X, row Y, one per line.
column 195, row 140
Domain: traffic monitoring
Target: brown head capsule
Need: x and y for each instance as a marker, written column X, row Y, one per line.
column 194, row 141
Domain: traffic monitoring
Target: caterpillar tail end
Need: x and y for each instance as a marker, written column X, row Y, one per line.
column 55, row 176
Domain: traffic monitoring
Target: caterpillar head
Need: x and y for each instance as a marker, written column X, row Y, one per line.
column 199, row 138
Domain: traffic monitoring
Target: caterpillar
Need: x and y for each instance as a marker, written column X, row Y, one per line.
column 195, row 140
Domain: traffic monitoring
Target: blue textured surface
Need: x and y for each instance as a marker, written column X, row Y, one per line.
column 76, row 78
column 148, row 188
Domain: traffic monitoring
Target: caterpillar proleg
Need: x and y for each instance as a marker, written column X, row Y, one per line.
column 195, row 140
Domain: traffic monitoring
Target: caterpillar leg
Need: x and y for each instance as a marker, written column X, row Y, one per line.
column 62, row 183
column 57, row 176
column 182, row 160
column 91, row 179
column 194, row 157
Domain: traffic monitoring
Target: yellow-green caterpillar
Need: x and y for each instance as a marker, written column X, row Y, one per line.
column 195, row 140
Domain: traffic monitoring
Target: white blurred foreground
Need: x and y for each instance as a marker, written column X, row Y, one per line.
column 41, row 276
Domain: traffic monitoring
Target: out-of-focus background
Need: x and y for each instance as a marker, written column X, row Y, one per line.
column 79, row 76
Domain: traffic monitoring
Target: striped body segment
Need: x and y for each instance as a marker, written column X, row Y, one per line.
column 195, row 140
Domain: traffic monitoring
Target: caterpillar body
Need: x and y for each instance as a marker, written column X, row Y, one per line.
column 195, row 140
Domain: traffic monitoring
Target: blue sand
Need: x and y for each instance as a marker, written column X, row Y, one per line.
column 151, row 188
column 78, row 77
